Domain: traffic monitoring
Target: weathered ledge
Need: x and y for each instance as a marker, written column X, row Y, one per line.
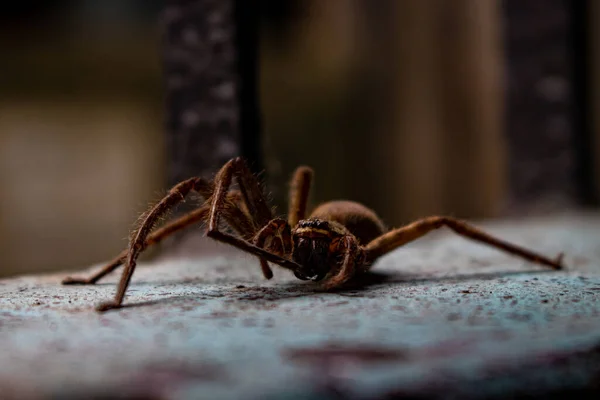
column 440, row 318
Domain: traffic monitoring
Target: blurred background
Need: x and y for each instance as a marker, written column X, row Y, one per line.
column 411, row 107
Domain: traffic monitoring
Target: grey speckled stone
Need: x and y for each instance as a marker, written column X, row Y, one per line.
column 440, row 318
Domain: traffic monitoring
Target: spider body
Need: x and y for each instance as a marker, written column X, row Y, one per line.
column 336, row 242
column 356, row 218
column 317, row 247
column 319, row 241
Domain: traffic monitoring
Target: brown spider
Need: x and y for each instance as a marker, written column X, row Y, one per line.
column 340, row 239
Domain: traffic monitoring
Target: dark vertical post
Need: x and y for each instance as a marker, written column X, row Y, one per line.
column 580, row 41
column 247, row 21
column 545, row 131
column 210, row 53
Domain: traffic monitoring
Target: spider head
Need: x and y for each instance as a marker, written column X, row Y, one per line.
column 312, row 247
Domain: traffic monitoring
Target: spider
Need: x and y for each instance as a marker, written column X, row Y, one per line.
column 336, row 242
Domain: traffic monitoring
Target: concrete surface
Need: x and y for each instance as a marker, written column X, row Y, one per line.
column 441, row 318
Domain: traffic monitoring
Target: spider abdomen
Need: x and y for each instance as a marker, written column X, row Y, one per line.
column 360, row 220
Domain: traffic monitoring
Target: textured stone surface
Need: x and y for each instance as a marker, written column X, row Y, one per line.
column 440, row 318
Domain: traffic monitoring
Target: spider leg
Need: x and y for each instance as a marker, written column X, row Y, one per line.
column 241, row 223
column 255, row 204
column 401, row 236
column 155, row 237
column 298, row 196
column 249, row 188
column 276, row 237
column 352, row 258
column 175, row 196
column 255, row 201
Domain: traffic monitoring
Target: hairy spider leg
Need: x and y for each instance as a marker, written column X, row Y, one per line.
column 298, row 195
column 198, row 215
column 401, row 236
column 300, row 185
column 241, row 223
column 253, row 196
column 250, row 189
column 298, row 199
column 275, row 237
column 250, row 226
column 176, row 195
column 256, row 205
column 138, row 239
column 349, row 247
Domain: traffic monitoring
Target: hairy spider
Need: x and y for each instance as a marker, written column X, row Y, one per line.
column 339, row 240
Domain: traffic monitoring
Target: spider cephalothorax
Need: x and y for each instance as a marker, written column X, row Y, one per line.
column 337, row 241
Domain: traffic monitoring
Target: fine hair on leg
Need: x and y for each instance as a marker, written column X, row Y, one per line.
column 250, row 189
column 176, row 195
column 236, row 218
